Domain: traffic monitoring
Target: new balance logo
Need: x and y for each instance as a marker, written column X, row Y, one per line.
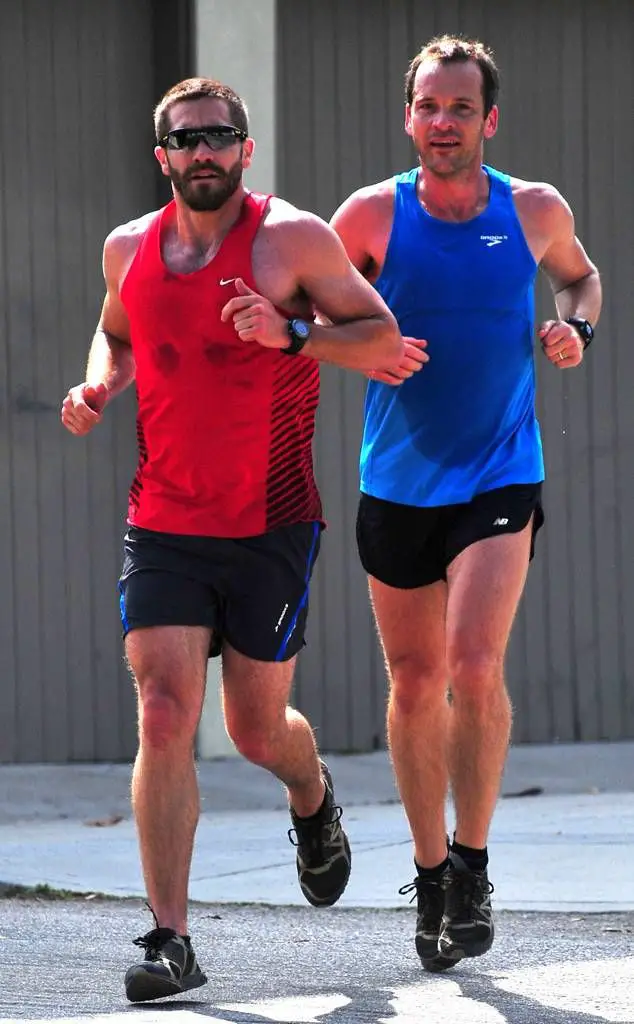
column 226, row 280
column 500, row 522
column 492, row 240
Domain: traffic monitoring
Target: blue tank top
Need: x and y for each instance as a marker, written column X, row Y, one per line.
column 465, row 423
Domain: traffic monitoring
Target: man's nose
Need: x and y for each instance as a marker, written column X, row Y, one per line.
column 443, row 120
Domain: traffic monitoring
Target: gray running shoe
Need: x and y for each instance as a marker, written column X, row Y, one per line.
column 467, row 925
column 169, row 967
column 323, row 850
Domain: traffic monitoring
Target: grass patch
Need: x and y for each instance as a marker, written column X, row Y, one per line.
column 9, row 891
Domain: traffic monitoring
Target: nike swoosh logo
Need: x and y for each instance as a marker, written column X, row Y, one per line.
column 226, row 280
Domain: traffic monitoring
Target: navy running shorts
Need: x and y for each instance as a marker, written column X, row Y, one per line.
column 253, row 591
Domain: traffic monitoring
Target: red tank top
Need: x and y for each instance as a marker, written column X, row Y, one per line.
column 224, row 426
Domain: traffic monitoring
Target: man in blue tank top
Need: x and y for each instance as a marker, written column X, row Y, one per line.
column 451, row 461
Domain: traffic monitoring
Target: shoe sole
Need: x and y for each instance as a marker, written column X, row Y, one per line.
column 143, row 987
column 439, row 963
column 455, row 950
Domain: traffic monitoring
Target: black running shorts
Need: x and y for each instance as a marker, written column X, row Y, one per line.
column 406, row 546
column 253, row 592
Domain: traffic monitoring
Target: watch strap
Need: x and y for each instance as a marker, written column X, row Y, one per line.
column 583, row 327
column 296, row 344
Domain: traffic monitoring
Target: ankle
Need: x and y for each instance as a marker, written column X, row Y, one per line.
column 475, row 858
column 307, row 808
column 433, row 874
column 171, row 920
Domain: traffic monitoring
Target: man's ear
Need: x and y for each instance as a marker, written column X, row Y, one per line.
column 161, row 156
column 248, row 149
column 491, row 123
column 408, row 120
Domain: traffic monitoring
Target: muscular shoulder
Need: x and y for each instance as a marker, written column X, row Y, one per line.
column 542, row 207
column 121, row 245
column 287, row 221
column 371, row 205
column 364, row 222
column 295, row 234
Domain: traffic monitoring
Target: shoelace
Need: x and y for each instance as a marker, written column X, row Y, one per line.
column 410, row 887
column 416, row 888
column 153, row 942
column 465, row 887
column 308, row 834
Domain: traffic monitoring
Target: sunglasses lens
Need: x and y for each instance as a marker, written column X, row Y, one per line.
column 176, row 140
column 216, row 141
column 217, row 137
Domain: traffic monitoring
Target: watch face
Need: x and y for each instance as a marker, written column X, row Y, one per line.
column 301, row 329
column 584, row 327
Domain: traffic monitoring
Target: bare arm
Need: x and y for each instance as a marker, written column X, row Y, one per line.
column 110, row 360
column 360, row 331
column 363, row 223
column 573, row 277
column 574, row 280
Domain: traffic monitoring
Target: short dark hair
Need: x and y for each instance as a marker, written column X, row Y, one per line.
column 199, row 89
column 452, row 50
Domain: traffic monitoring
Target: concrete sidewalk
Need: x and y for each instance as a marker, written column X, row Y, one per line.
column 568, row 848
column 90, row 791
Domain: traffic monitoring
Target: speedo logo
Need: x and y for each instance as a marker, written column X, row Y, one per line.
column 492, row 240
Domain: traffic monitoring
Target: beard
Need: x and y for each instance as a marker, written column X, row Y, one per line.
column 205, row 196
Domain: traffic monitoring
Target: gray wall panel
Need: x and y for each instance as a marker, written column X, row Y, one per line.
column 621, row 301
column 21, row 159
column 76, row 159
column 50, row 683
column 600, row 221
column 8, row 689
column 571, row 660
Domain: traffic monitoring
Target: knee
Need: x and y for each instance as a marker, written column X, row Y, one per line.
column 165, row 719
column 475, row 673
column 416, row 683
column 252, row 740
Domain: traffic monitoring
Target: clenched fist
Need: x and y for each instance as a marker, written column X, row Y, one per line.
column 83, row 407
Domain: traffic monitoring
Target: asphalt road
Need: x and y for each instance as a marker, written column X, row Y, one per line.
column 64, row 961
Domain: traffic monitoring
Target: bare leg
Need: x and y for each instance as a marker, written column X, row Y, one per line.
column 267, row 731
column 412, row 628
column 169, row 664
column 485, row 586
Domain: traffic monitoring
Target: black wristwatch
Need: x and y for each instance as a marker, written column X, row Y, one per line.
column 299, row 333
column 584, row 329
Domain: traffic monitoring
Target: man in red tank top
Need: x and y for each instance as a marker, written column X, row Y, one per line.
column 209, row 309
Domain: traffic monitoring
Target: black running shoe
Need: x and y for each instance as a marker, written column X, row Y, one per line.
column 323, row 850
column 430, row 896
column 169, row 967
column 467, row 925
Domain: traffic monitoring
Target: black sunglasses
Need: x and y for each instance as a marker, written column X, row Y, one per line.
column 215, row 136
